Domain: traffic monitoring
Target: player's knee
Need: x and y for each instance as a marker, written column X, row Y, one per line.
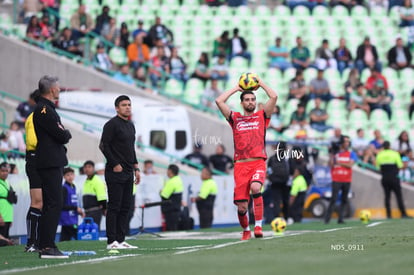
column 241, row 209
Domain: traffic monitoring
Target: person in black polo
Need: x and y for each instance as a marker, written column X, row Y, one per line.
column 49, row 160
column 118, row 146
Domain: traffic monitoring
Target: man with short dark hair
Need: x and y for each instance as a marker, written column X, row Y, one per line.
column 239, row 47
column 118, row 146
column 50, row 159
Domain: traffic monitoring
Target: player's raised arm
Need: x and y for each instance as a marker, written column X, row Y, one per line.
column 271, row 102
column 221, row 101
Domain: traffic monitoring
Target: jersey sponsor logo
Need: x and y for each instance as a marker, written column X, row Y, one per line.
column 244, row 125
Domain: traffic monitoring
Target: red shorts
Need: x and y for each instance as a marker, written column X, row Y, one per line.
column 244, row 174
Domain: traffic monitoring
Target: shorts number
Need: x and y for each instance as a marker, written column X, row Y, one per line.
column 256, row 176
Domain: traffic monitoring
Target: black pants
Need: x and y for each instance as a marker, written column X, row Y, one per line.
column 52, row 205
column 171, row 220
column 96, row 215
column 119, row 202
column 68, row 232
column 281, row 194
column 206, row 214
column 296, row 209
column 131, row 214
column 393, row 185
column 4, row 230
column 336, row 187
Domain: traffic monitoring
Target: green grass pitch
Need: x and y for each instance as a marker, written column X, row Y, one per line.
column 382, row 247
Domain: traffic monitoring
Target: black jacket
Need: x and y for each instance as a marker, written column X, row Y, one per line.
column 361, row 52
column 242, row 42
column 51, row 136
column 392, row 55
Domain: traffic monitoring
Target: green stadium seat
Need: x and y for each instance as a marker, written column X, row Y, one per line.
column 320, row 11
column 191, row 3
column 173, row 87
column 359, row 12
column 205, row 11
column 281, row 11
column 358, row 119
column 309, row 74
column 339, row 12
column 378, row 115
column 244, row 11
column 118, row 55
column 263, row 11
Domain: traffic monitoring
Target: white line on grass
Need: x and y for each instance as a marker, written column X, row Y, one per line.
column 374, row 224
column 213, row 247
column 334, row 229
column 97, row 260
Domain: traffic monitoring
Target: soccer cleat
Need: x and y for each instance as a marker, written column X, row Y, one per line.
column 258, row 233
column 113, row 245
column 246, row 235
column 31, row 248
column 125, row 245
column 52, row 253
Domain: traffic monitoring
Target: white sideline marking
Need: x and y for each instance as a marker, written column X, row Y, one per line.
column 213, row 247
column 334, row 229
column 374, row 224
column 97, row 260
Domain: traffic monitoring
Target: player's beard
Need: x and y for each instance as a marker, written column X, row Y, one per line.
column 249, row 108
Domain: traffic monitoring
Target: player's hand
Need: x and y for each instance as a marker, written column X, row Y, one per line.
column 137, row 177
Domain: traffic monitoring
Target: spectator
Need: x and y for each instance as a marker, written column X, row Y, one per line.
column 351, row 83
column 33, row 30
column 24, row 109
column 30, row 8
column 124, row 36
column 101, row 59
column 349, row 4
column 4, row 145
column 68, row 43
column 343, row 56
column 138, row 53
column 210, row 94
column 299, row 119
column 220, row 69
column 402, row 145
column 140, row 30
column 276, row 120
column 298, row 88
column 360, row 144
column 336, row 136
column 6, row 206
column 377, row 142
column 202, row 71
column 123, row 75
column 222, row 45
column 16, row 140
column 94, row 194
column 160, row 44
column 47, row 29
column 197, row 158
column 110, row 31
column 172, row 191
column 319, row 87
column 159, row 68
column 318, row 117
column 324, row 57
column 141, row 76
column 411, row 108
column 220, row 161
column 149, row 168
column 205, row 199
column 239, row 47
column 378, row 96
column 367, row 56
column 81, row 23
column 407, row 14
column 358, row 100
column 100, row 168
column 279, row 56
column 102, row 20
column 70, row 208
column 53, row 5
column 178, row 67
column 300, row 55
column 399, row 56
column 160, row 31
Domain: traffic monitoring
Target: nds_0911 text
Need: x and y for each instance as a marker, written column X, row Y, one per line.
column 347, row 247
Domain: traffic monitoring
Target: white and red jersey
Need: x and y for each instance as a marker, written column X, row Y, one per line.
column 340, row 173
column 249, row 134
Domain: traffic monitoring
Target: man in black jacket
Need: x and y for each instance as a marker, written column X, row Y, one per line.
column 278, row 174
column 239, row 47
column 49, row 160
column 367, row 56
column 399, row 56
column 118, row 146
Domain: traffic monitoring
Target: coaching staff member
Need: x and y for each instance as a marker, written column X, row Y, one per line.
column 50, row 159
column 118, row 146
column 389, row 162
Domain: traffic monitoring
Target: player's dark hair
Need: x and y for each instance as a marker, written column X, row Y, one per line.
column 386, row 144
column 208, row 171
column 174, row 169
column 89, row 162
column 121, row 98
column 246, row 93
column 68, row 170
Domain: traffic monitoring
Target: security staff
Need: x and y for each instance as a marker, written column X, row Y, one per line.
column 205, row 199
column 297, row 195
column 94, row 194
column 341, row 163
column 172, row 192
column 50, row 159
column 389, row 162
column 6, row 207
column 36, row 202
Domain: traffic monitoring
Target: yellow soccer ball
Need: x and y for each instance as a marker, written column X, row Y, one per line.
column 278, row 225
column 248, row 82
column 365, row 216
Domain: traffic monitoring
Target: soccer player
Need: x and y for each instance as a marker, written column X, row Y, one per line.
column 249, row 131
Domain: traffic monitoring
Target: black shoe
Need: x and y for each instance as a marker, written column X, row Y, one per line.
column 52, row 253
column 406, row 217
column 341, row 222
column 31, row 248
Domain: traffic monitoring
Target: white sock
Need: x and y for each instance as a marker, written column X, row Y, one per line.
column 258, row 223
column 247, row 228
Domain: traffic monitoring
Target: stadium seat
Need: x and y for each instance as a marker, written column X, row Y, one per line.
column 378, row 115
column 173, row 87
column 281, row 11
column 339, row 11
column 359, row 12
column 118, row 55
column 262, row 11
column 301, row 12
column 320, row 11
